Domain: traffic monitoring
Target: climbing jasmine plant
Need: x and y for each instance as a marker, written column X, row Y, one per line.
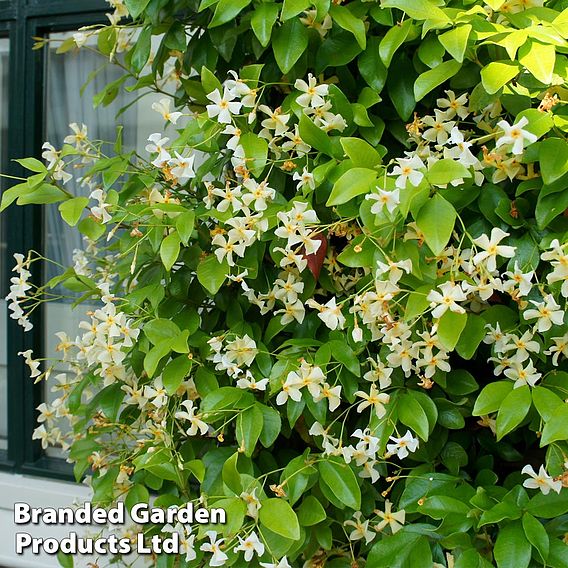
column 330, row 295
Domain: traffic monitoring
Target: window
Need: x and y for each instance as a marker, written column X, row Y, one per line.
column 4, row 277
column 39, row 97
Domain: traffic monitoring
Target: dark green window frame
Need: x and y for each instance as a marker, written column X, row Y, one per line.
column 22, row 20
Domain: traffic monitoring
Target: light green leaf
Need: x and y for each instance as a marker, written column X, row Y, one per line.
column 345, row 19
column 248, row 428
column 536, row 534
column 512, row 549
column 169, row 250
column 491, row 397
column 539, row 59
column 393, row 39
column 341, row 481
column 72, row 209
column 256, row 152
column 429, row 80
column 436, row 220
column 353, row 182
column 450, row 328
column 418, row 9
column 497, row 74
column 361, row 153
column 445, row 171
column 455, row 41
column 290, row 41
column 262, row 22
column 277, row 516
column 553, row 157
column 417, row 302
column 211, row 273
column 227, row 10
column 513, row 409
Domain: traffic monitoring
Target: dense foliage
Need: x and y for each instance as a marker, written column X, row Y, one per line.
column 331, row 298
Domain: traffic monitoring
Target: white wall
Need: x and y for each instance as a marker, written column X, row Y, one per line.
column 36, row 492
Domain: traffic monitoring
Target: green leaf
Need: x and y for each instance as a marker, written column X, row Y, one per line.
column 411, row 414
column 512, row 549
column 539, row 59
column 546, row 402
column 404, row 549
column 136, row 7
column 455, row 41
column 256, row 152
column 65, row 560
column 418, row 9
column 445, row 171
column 263, row 19
column 345, row 19
column 72, row 209
column 497, row 74
column 155, row 355
column 344, row 354
column 417, row 302
column 227, row 10
column 491, row 397
column 400, row 86
column 341, row 481
column 548, row 207
column 175, row 372
column 513, row 409
column 141, row 51
column 536, row 535
column 311, row 512
column 290, row 41
column 471, row 337
column 450, row 328
column 291, row 8
column 548, row 506
column 169, row 250
column 431, row 79
column 271, row 425
column 393, row 39
column 371, row 67
column 231, row 475
column 210, row 82
column 314, row 136
column 277, row 516
column 184, row 226
column 555, row 429
column 436, row 220
column 353, row 182
column 248, row 428
column 211, row 273
column 553, row 157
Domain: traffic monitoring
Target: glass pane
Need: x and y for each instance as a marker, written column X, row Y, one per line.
column 4, row 57
column 66, row 75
